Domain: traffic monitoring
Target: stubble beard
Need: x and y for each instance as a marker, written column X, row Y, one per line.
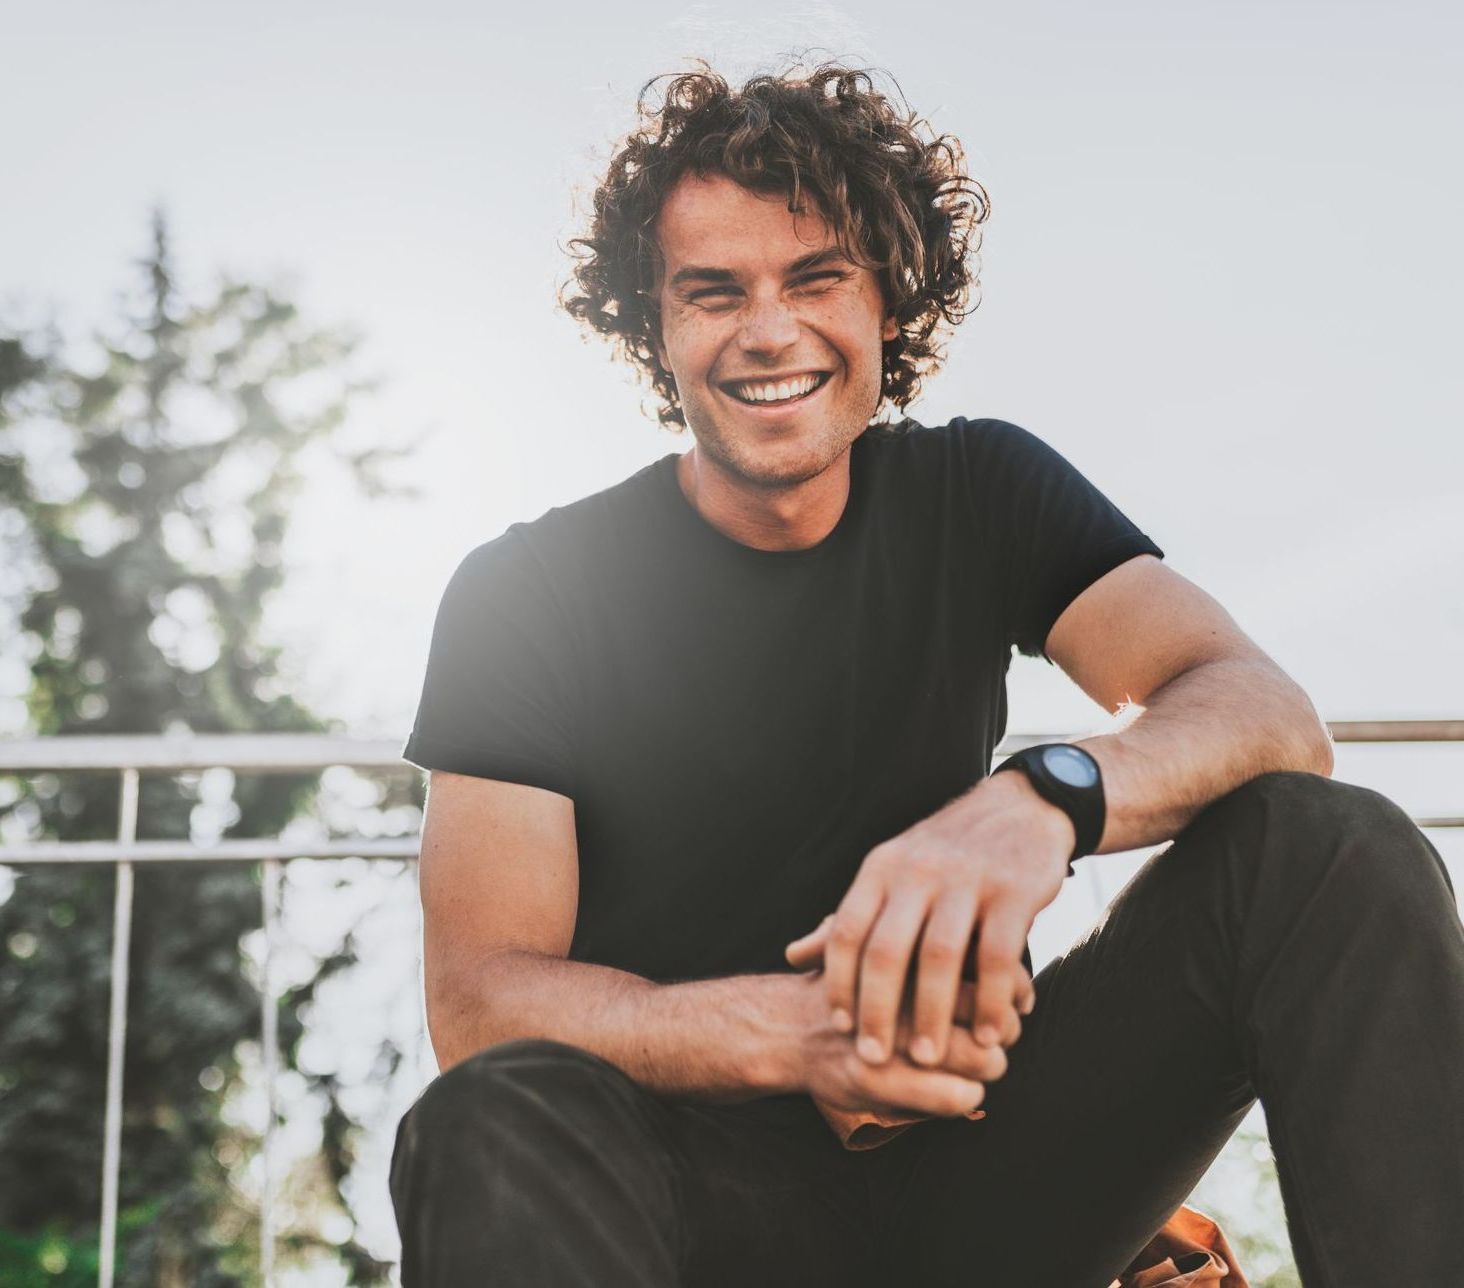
column 774, row 471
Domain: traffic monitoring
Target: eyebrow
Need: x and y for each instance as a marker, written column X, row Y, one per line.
column 697, row 273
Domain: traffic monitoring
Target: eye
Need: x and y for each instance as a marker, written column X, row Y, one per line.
column 712, row 292
column 828, row 276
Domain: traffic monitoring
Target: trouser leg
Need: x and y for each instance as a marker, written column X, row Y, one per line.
column 1300, row 941
column 536, row 1163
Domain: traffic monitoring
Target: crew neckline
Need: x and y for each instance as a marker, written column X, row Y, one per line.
column 694, row 520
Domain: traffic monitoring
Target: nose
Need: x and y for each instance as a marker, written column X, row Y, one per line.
column 768, row 327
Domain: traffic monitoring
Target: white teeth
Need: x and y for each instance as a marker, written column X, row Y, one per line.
column 777, row 392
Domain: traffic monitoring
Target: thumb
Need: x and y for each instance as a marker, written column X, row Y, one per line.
column 811, row 946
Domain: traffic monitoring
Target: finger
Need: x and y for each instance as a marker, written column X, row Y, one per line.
column 852, row 922
column 998, row 952
column 968, row 1058
column 1026, row 993
column 882, row 971
column 964, row 1055
column 938, row 975
column 899, row 1085
column 808, row 950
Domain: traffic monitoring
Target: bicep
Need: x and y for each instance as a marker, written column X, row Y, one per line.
column 1136, row 628
column 499, row 871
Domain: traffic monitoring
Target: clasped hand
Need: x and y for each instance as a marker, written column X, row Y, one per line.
column 961, row 886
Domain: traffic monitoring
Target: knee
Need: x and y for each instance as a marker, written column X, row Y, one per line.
column 1319, row 829
column 1297, row 798
column 487, row 1092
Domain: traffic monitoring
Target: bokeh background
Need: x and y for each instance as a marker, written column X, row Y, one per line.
column 1221, row 275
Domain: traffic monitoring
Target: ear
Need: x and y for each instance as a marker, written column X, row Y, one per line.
column 891, row 328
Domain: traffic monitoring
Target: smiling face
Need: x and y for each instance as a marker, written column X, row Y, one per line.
column 772, row 335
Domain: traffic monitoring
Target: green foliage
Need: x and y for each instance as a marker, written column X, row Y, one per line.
column 144, row 506
column 52, row 1259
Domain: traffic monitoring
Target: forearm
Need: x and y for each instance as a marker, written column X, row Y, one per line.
column 716, row 1039
column 1206, row 732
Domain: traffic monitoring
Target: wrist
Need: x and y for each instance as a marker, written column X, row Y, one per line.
column 1053, row 819
column 794, row 1004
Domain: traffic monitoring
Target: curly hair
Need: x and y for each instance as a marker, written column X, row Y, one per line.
column 894, row 193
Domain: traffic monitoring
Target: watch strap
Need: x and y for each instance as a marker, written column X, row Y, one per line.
column 1083, row 805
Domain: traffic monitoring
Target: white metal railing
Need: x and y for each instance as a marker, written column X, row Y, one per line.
column 131, row 755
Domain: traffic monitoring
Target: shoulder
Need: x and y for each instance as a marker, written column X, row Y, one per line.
column 982, row 454
column 567, row 541
column 959, row 436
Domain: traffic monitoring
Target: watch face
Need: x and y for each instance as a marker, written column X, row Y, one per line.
column 1069, row 765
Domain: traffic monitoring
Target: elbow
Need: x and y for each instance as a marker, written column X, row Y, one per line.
column 458, row 1019
column 1326, row 756
column 1313, row 748
column 1306, row 736
column 445, row 1029
column 469, row 1003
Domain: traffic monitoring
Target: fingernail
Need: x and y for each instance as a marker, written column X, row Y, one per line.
column 841, row 1021
column 986, row 1035
column 871, row 1048
column 923, row 1049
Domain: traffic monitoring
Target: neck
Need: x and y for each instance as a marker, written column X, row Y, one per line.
column 791, row 517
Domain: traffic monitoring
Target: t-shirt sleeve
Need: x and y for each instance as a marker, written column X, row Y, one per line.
column 498, row 697
column 1053, row 533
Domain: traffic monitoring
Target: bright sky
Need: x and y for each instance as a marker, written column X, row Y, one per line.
column 1222, row 276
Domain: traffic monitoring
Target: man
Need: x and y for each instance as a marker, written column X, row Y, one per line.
column 737, row 713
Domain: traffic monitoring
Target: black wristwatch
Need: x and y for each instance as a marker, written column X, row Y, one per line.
column 1068, row 777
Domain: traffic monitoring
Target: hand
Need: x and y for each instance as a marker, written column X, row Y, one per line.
column 963, row 1055
column 979, row 870
column 830, row 1070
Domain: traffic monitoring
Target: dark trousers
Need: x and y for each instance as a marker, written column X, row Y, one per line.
column 1298, row 941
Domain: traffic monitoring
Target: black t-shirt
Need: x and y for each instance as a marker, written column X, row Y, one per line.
column 737, row 728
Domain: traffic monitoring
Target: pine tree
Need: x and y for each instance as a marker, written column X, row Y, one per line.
column 144, row 508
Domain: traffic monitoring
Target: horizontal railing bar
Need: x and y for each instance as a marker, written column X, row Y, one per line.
column 262, row 752
column 253, row 851
column 293, row 752
column 1397, row 730
column 241, row 850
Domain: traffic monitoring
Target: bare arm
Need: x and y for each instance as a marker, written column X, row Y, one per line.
column 500, row 880
column 1202, row 734
column 1213, row 710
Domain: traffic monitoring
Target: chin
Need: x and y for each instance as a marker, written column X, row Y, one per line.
column 774, row 465
column 773, row 461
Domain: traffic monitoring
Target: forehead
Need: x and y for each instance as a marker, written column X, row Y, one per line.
column 715, row 221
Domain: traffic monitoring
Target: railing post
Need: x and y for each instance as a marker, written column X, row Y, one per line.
column 270, row 1038
column 117, row 1032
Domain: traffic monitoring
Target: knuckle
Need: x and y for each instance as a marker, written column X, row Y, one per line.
column 940, row 951
column 926, row 864
column 883, row 954
column 992, row 956
column 883, row 854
